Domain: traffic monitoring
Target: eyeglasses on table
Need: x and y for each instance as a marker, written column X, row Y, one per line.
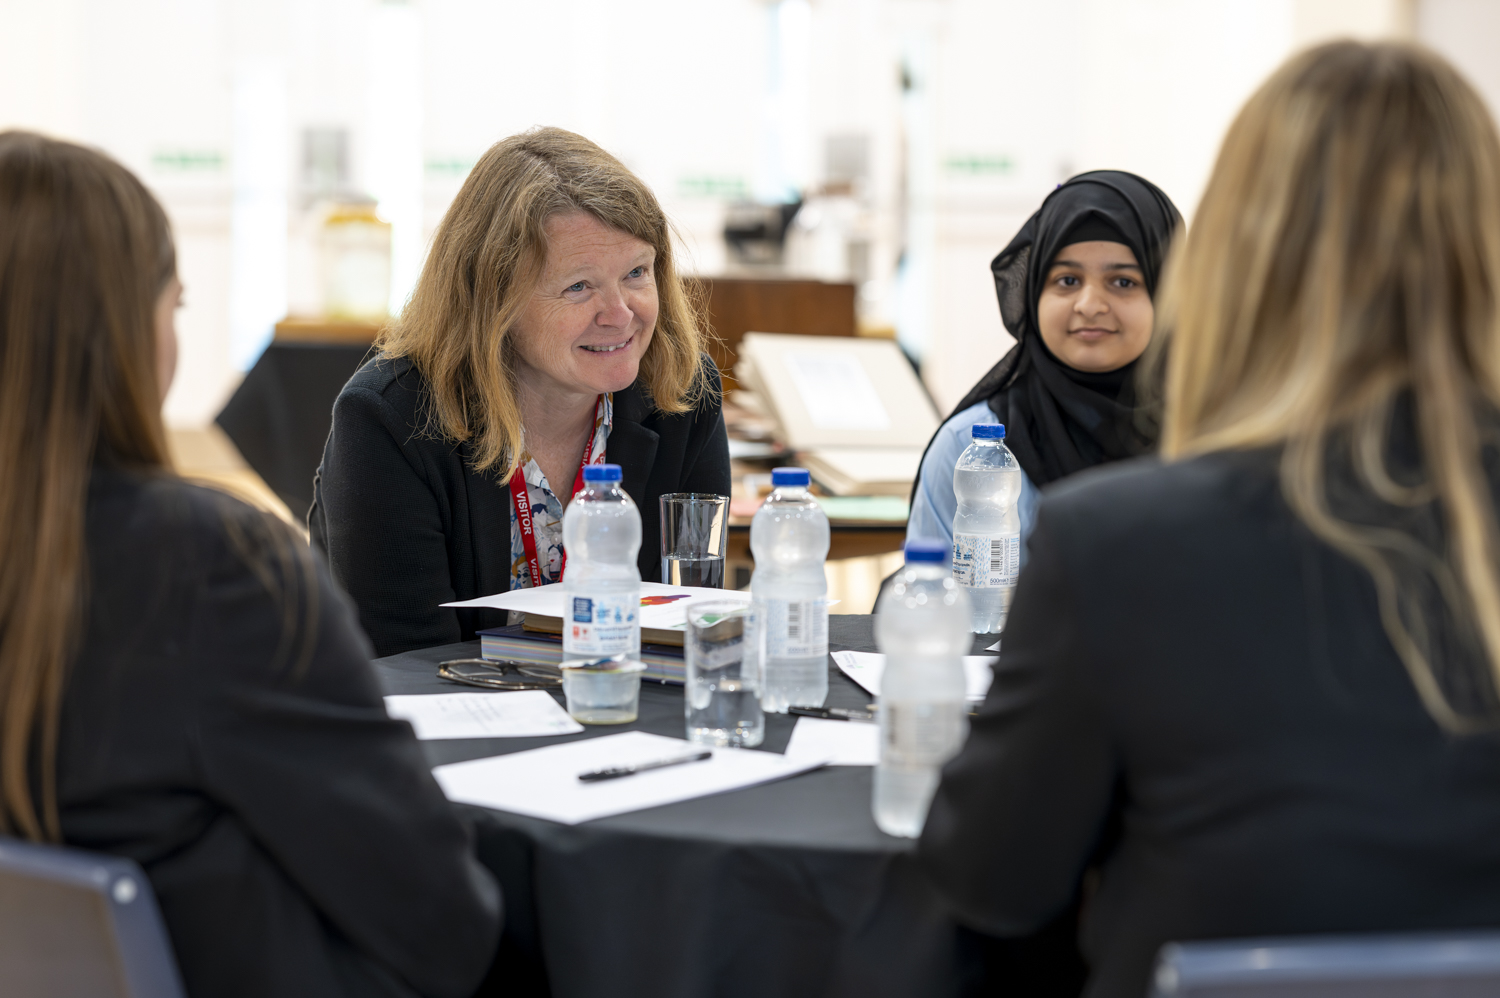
column 500, row 675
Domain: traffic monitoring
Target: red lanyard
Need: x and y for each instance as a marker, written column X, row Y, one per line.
column 521, row 497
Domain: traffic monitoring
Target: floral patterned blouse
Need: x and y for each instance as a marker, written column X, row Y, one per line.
column 547, row 508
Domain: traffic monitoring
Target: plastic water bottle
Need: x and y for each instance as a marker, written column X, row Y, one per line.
column 922, row 626
column 986, row 527
column 601, row 583
column 789, row 538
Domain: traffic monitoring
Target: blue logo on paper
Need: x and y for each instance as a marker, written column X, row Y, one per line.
column 583, row 610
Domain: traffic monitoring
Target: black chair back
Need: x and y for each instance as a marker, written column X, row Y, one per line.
column 76, row 923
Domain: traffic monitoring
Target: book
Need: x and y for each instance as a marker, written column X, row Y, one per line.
column 664, row 663
column 542, row 623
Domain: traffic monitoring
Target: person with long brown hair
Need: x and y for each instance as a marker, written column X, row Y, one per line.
column 1256, row 679
column 550, row 329
column 179, row 682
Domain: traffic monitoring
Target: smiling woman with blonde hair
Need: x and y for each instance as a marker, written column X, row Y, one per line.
column 1259, row 679
column 549, row 330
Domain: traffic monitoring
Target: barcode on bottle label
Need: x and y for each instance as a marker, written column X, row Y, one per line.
column 921, row 734
column 986, row 562
column 602, row 625
column 796, row 628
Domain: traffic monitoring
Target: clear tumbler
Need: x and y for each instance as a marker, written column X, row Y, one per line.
column 694, row 529
column 722, row 695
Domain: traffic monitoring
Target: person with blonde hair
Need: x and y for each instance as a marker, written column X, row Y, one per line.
column 1255, row 680
column 550, row 329
column 181, row 683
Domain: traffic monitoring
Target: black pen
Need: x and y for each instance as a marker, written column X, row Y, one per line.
column 641, row 767
column 833, row 713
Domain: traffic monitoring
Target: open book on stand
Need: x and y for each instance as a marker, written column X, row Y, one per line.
column 852, row 408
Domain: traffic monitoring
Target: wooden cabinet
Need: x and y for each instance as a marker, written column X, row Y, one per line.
column 740, row 305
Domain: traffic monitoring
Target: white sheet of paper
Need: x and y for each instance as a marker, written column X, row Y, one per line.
column 842, row 743
column 836, row 390
column 543, row 783
column 548, row 600
column 865, row 668
column 520, row 714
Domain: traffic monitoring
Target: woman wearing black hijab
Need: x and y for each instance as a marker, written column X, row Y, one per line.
column 1066, row 390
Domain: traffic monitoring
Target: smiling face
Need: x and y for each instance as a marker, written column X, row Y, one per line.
column 590, row 317
column 1094, row 312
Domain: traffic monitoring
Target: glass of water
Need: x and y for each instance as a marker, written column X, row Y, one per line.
column 694, row 530
column 722, row 694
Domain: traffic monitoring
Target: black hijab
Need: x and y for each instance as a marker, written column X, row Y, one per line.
column 1059, row 420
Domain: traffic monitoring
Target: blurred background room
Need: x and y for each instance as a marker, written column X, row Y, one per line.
column 839, row 168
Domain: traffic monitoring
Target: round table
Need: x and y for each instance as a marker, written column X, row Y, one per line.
column 785, row 889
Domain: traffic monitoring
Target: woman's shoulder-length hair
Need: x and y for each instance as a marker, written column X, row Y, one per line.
column 486, row 256
column 1340, row 291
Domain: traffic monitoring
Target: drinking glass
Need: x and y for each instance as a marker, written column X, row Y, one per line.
column 721, row 697
column 694, row 530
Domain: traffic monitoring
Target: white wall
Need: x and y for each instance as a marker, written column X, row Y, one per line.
column 1467, row 32
column 1147, row 86
column 1010, row 97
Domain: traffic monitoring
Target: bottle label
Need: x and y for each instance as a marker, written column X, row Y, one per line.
column 795, row 628
column 601, row 625
column 921, row 734
column 986, row 562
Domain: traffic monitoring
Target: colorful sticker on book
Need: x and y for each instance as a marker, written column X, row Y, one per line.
column 663, row 600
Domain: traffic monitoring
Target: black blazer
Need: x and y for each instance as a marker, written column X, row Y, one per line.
column 408, row 524
column 1184, row 655
column 293, row 833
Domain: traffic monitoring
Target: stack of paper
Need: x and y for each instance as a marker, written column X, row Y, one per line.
column 873, row 471
column 663, row 617
column 662, row 607
column 853, row 407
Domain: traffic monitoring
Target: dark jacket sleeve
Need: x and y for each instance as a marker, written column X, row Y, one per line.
column 383, row 527
column 1019, row 811
column 336, row 792
column 708, row 456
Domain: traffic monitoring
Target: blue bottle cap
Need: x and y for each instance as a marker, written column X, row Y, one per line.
column 601, row 473
column 925, row 549
column 790, row 476
column 988, row 431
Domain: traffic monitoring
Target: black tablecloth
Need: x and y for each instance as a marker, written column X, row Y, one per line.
column 280, row 415
column 781, row 890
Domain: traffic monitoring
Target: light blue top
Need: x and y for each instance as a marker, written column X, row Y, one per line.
column 933, row 508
